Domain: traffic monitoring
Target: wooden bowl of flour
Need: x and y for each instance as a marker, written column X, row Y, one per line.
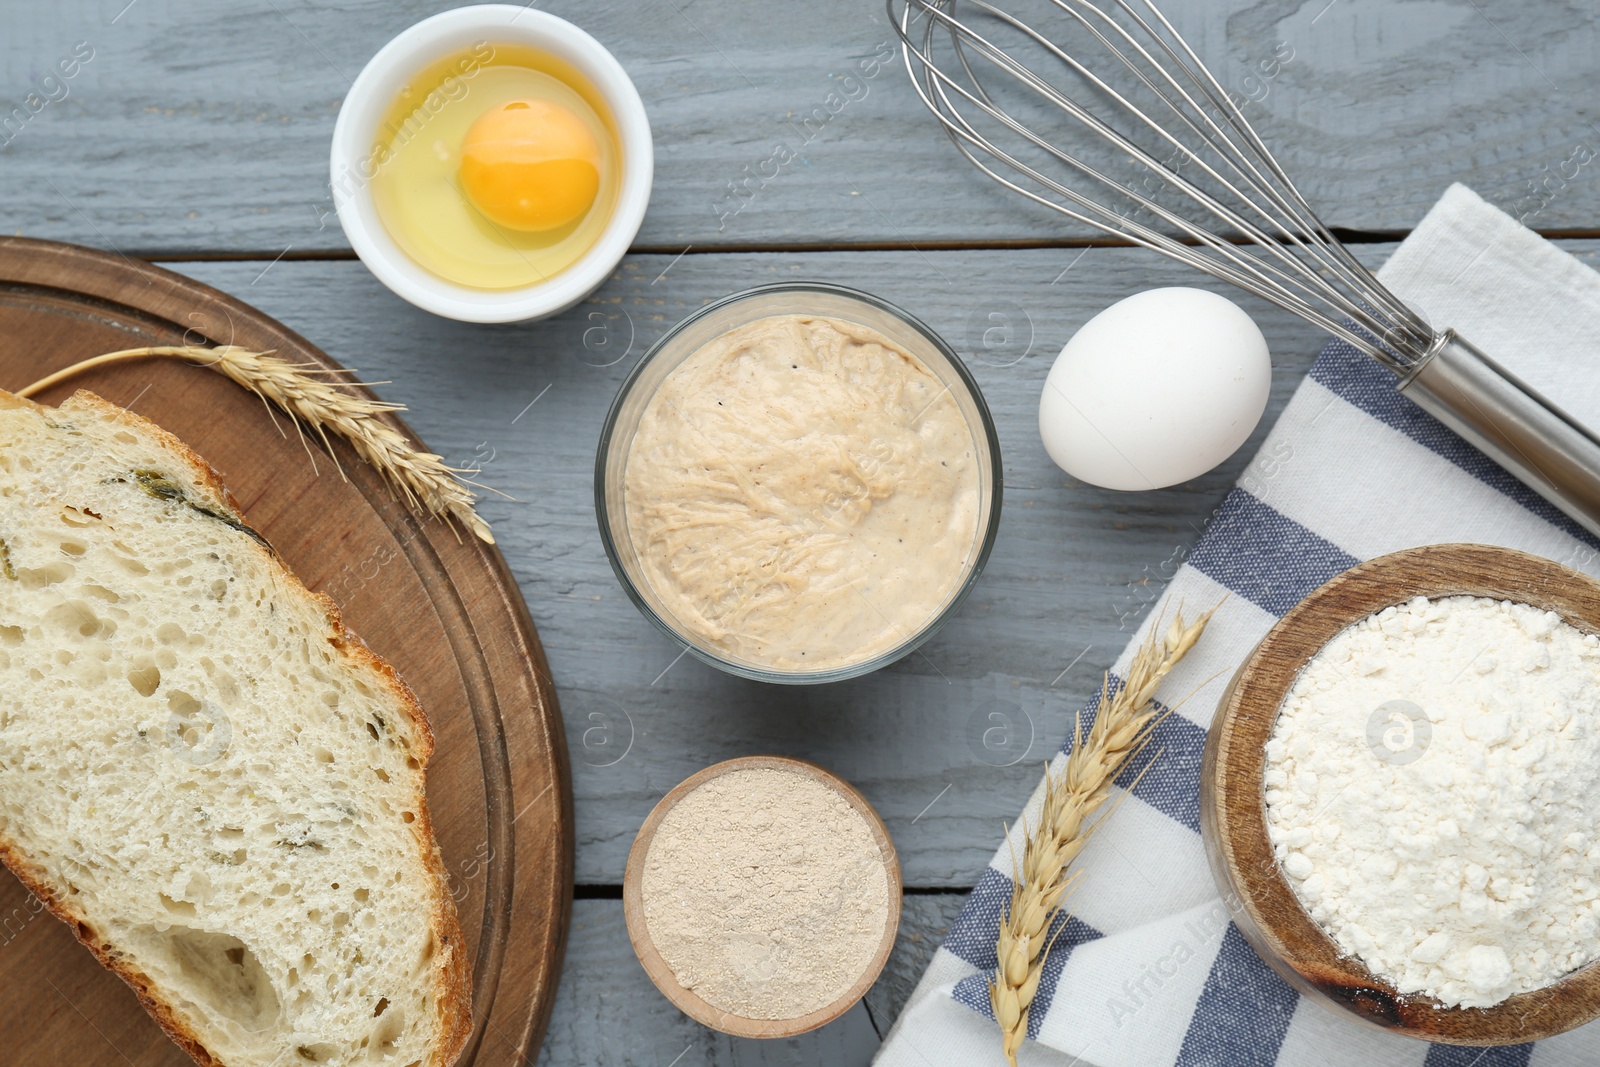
column 1233, row 811
column 871, row 857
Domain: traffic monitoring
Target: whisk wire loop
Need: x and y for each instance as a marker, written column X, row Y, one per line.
column 1290, row 200
column 1240, row 223
column 1279, row 248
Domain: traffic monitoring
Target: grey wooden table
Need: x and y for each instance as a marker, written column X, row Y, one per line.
column 196, row 134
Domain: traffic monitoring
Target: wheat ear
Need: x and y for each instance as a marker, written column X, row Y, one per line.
column 423, row 478
column 1122, row 727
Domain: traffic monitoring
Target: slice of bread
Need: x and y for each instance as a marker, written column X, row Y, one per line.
column 217, row 786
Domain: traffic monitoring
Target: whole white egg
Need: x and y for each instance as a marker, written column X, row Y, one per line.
column 1155, row 390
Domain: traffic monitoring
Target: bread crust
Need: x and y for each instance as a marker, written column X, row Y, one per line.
column 453, row 988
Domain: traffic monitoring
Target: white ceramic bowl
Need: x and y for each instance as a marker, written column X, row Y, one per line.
column 376, row 88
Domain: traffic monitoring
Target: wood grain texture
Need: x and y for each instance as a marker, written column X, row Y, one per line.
column 1072, row 569
column 925, row 919
column 446, row 614
column 1233, row 809
column 660, row 971
column 608, row 1012
column 204, row 126
column 203, row 129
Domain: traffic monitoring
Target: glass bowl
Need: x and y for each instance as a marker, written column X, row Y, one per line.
column 687, row 337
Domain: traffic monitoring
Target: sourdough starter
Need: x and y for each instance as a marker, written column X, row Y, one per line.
column 802, row 494
column 1431, row 785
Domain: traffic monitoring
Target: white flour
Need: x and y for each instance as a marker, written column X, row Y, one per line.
column 1431, row 785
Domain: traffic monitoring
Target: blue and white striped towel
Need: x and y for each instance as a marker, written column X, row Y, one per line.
column 1149, row 972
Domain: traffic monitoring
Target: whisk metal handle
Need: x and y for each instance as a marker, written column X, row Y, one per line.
column 1519, row 429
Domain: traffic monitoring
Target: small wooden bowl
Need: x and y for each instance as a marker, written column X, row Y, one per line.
column 687, row 1001
column 1233, row 806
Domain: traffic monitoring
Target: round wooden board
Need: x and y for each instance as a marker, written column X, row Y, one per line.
column 1233, row 816
column 443, row 610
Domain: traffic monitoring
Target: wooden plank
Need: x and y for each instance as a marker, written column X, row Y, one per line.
column 608, row 1012
column 1072, row 568
column 204, row 127
column 925, row 918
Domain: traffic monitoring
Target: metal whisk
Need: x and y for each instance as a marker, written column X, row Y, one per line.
column 1172, row 158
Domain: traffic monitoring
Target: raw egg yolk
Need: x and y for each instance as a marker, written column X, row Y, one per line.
column 530, row 165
